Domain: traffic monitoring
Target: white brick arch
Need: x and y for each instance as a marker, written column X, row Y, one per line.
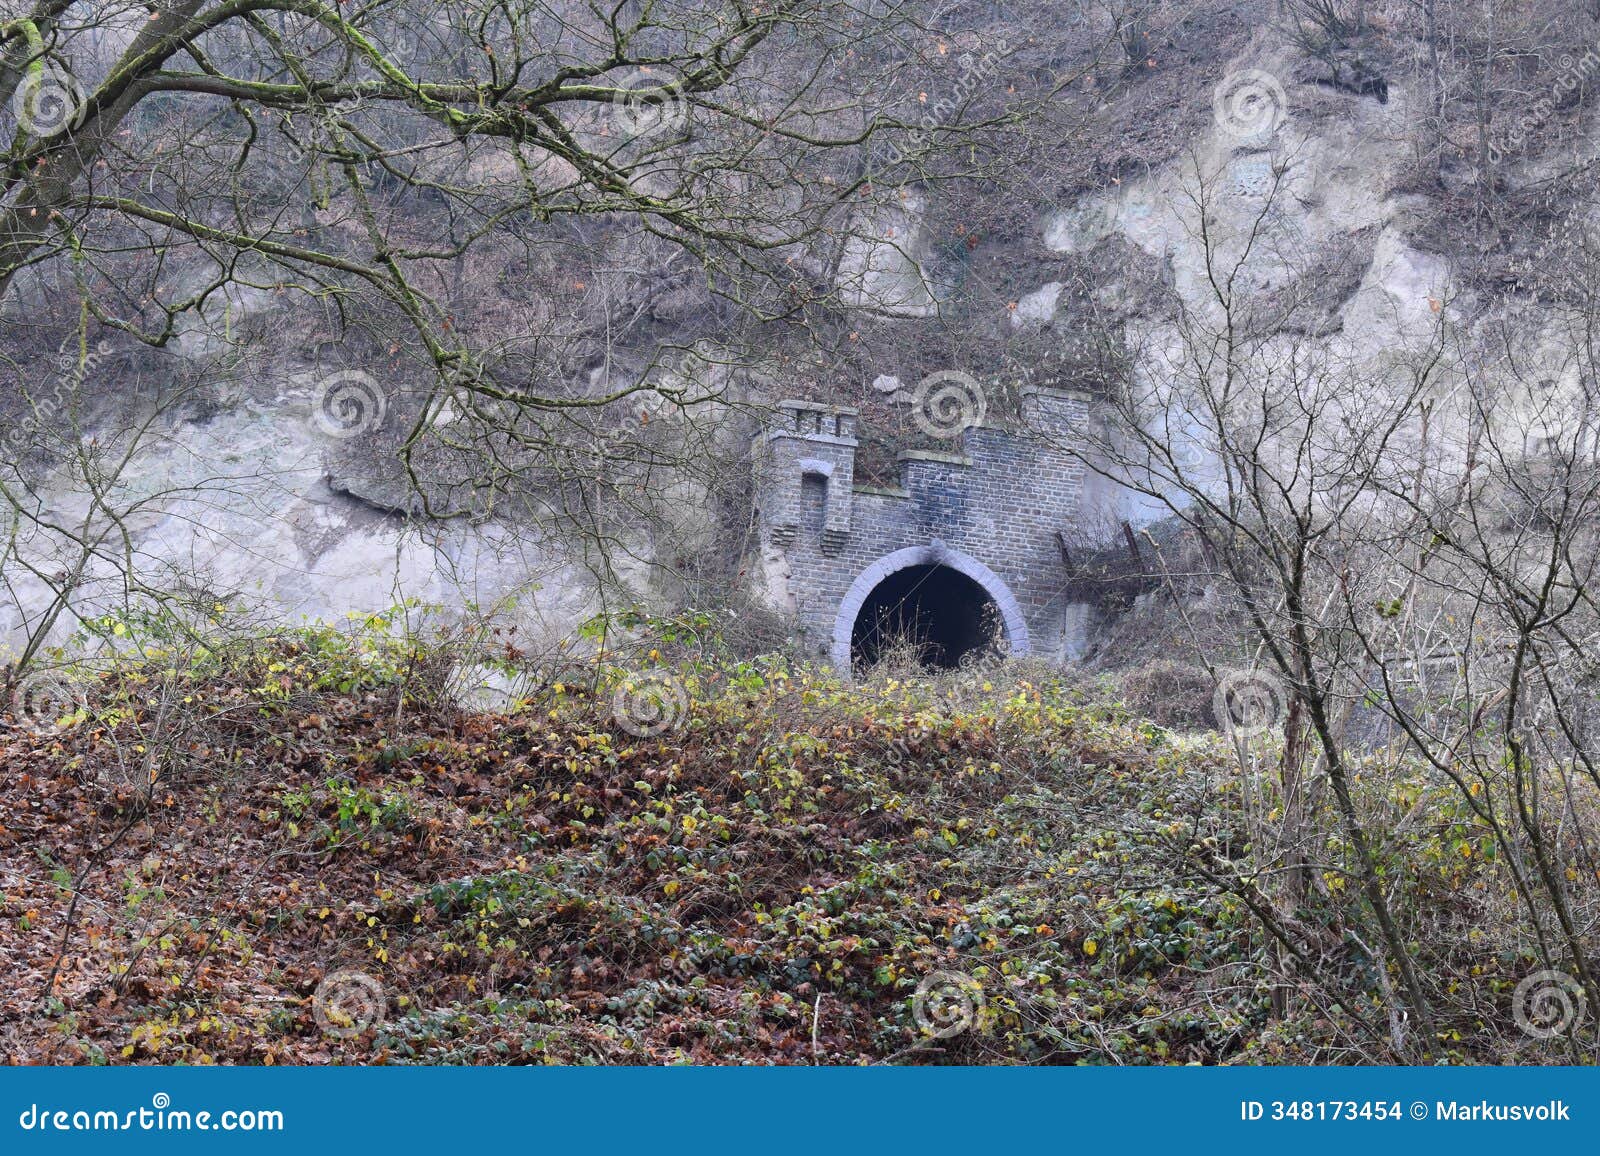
column 936, row 553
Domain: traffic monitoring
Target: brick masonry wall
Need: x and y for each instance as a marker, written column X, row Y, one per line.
column 991, row 506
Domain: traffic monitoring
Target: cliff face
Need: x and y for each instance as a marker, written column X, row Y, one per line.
column 1341, row 186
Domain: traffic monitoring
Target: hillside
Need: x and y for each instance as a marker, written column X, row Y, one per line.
column 288, row 856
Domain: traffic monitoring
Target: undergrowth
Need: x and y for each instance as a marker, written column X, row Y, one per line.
column 995, row 866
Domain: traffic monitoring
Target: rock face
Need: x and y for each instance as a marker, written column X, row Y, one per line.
column 1304, row 192
column 267, row 500
column 251, row 505
column 884, row 267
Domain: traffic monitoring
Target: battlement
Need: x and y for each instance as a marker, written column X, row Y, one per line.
column 806, row 419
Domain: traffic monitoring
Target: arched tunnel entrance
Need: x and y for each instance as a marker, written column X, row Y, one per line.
column 933, row 611
column 946, row 601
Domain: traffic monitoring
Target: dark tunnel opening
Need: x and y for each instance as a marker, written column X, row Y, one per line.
column 939, row 613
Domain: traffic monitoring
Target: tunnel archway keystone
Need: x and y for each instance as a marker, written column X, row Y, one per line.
column 936, row 553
